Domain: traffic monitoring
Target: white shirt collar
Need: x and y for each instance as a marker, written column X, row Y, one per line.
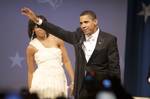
column 93, row 36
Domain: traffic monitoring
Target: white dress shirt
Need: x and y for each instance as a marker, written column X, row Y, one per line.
column 89, row 44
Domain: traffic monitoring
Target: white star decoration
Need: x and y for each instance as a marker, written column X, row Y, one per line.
column 16, row 60
column 145, row 11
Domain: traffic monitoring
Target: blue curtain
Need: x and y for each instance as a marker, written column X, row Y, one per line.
column 137, row 56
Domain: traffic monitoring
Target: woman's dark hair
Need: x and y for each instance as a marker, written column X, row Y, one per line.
column 32, row 25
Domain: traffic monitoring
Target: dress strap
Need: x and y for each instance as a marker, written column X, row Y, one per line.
column 36, row 43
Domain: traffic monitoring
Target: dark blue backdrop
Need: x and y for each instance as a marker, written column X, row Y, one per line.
column 138, row 47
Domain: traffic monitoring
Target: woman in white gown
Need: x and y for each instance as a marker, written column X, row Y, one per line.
column 46, row 56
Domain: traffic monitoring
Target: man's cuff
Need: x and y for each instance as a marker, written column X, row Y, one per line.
column 40, row 21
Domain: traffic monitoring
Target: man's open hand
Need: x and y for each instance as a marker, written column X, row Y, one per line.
column 30, row 14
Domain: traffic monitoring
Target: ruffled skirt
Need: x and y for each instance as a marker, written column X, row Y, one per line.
column 49, row 83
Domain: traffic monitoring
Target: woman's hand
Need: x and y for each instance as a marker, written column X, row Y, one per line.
column 71, row 88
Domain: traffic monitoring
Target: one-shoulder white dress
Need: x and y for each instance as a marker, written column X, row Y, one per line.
column 49, row 79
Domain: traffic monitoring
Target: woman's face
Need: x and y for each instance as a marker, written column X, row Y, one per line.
column 40, row 33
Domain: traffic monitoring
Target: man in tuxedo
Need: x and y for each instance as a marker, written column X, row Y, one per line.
column 96, row 51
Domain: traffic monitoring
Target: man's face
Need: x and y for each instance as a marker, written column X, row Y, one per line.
column 88, row 25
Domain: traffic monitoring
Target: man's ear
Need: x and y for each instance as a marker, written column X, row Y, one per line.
column 96, row 21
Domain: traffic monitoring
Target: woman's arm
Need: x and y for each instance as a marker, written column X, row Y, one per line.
column 68, row 66
column 30, row 63
column 66, row 61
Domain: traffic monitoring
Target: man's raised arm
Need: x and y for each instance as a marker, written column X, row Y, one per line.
column 30, row 14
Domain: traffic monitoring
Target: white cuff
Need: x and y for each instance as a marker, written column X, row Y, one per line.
column 40, row 21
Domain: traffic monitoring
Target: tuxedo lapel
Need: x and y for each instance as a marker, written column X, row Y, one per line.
column 81, row 49
column 99, row 45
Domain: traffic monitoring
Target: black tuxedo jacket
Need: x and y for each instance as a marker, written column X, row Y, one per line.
column 104, row 60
